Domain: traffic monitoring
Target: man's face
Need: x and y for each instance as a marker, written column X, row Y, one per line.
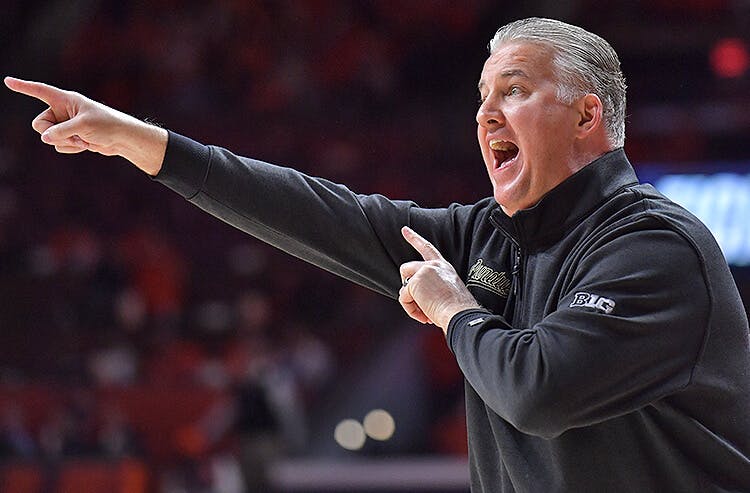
column 526, row 135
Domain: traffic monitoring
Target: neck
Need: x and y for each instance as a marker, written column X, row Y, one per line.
column 584, row 152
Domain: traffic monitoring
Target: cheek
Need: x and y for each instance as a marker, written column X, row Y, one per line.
column 481, row 133
column 482, row 140
column 540, row 135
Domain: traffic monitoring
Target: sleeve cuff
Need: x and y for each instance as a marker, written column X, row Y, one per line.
column 185, row 166
column 470, row 317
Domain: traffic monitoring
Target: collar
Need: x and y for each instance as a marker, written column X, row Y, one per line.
column 568, row 203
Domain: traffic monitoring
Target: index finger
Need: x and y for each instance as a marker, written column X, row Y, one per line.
column 426, row 249
column 48, row 94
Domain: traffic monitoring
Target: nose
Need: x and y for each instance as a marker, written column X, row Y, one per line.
column 490, row 116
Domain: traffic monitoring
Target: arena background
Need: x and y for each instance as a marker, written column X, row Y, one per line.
column 146, row 346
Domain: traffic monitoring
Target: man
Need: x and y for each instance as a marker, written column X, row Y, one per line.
column 602, row 338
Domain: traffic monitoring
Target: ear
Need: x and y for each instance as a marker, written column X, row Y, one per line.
column 591, row 115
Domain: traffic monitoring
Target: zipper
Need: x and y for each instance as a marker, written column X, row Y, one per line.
column 516, row 272
column 510, row 313
column 516, row 284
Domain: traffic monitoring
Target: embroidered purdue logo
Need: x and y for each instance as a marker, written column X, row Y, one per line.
column 589, row 300
column 486, row 278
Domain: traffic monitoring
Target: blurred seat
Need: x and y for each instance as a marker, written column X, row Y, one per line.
column 125, row 476
column 21, row 478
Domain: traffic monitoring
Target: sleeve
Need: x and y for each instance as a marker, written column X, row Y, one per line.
column 627, row 330
column 354, row 236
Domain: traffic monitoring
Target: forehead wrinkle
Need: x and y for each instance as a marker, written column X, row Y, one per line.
column 506, row 74
column 516, row 72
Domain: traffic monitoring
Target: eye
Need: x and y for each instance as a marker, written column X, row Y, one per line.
column 481, row 99
column 514, row 91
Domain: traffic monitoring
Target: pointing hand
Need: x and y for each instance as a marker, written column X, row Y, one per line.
column 432, row 291
column 74, row 123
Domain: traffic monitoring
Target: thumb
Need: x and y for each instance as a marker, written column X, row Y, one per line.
column 61, row 132
column 426, row 249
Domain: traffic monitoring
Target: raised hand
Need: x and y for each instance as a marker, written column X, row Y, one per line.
column 74, row 123
column 432, row 291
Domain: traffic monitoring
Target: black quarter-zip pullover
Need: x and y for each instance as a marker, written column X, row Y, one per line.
column 611, row 353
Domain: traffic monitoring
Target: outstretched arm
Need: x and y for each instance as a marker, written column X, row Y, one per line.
column 354, row 236
column 74, row 123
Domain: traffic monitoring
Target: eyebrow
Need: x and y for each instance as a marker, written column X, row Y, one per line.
column 516, row 72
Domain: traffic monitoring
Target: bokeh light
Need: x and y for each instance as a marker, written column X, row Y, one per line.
column 379, row 425
column 350, row 434
column 730, row 58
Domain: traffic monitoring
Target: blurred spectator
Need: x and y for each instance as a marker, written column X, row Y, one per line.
column 174, row 360
column 116, row 438
column 252, row 361
column 70, row 430
column 16, row 442
column 114, row 362
column 310, row 360
column 157, row 272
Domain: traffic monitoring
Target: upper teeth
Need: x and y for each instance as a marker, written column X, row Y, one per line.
column 501, row 145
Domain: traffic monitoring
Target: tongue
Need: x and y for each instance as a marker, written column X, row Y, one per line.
column 505, row 156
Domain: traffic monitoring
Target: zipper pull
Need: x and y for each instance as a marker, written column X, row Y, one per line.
column 510, row 302
column 516, row 262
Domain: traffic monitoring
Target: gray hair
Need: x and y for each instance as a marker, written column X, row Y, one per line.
column 584, row 63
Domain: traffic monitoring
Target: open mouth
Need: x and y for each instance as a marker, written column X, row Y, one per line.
column 505, row 152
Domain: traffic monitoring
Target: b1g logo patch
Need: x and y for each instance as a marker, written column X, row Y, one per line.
column 589, row 300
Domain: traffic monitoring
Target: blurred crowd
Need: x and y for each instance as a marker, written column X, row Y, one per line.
column 110, row 283
column 117, row 284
